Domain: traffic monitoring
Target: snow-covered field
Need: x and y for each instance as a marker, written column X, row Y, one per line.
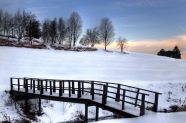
column 162, row 74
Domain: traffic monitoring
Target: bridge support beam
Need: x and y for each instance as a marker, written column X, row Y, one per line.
column 26, row 106
column 97, row 113
column 39, row 105
column 86, row 112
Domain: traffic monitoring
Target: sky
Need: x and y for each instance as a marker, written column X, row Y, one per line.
column 149, row 25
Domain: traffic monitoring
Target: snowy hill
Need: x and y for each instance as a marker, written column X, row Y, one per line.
column 162, row 74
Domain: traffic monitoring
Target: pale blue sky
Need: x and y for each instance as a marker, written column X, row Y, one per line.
column 134, row 19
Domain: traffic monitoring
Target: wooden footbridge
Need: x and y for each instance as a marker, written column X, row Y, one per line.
column 120, row 99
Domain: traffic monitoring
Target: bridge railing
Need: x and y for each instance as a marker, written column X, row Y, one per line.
column 78, row 88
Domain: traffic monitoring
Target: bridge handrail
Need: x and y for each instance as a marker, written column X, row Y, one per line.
column 80, row 89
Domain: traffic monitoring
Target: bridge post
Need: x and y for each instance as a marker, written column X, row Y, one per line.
column 82, row 87
column 136, row 100
column 23, row 82
column 86, row 112
column 39, row 105
column 33, row 86
column 118, row 93
column 18, row 85
column 123, row 101
column 38, row 84
column 104, row 97
column 155, row 107
column 60, row 88
column 92, row 89
column 41, row 90
column 46, row 85
column 26, row 85
column 97, row 113
column 54, row 86
column 142, row 107
column 79, row 89
column 69, row 89
column 73, row 90
column 50, row 87
column 11, row 84
column 31, row 83
column 63, row 87
column 26, row 106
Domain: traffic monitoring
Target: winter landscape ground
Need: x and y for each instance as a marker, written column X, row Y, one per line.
column 162, row 74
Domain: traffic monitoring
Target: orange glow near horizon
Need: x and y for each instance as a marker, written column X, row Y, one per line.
column 153, row 46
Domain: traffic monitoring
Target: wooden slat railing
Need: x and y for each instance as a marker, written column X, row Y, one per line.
column 114, row 91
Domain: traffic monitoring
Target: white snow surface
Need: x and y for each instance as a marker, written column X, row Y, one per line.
column 162, row 74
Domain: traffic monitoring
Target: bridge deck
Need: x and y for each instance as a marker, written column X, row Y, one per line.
column 83, row 99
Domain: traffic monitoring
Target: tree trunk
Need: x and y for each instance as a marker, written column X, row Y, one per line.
column 105, row 46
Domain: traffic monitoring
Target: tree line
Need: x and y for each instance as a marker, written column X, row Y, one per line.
column 175, row 53
column 25, row 24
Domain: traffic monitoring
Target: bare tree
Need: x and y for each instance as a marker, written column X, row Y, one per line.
column 91, row 37
column 46, row 30
column 69, row 33
column 122, row 43
column 1, row 20
column 61, row 30
column 83, row 41
column 53, row 30
column 75, row 24
column 106, row 31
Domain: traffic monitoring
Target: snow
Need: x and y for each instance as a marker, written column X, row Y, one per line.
column 161, row 74
column 152, row 118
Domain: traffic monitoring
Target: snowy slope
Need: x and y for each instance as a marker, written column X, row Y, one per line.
column 147, row 71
